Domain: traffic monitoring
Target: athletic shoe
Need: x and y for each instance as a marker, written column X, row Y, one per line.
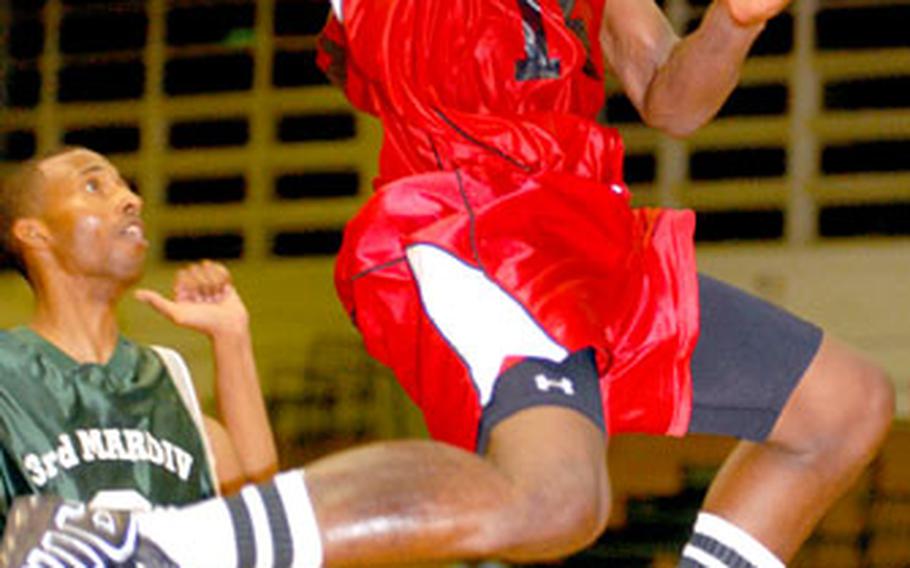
column 45, row 531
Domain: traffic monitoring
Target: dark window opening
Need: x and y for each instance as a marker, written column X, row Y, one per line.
column 209, row 133
column 721, row 226
column 26, row 38
column 206, row 190
column 311, row 242
column 27, row 7
column 297, row 69
column 209, row 74
column 738, row 163
column 879, row 156
column 750, row 100
column 19, row 145
column 640, row 168
column 776, row 38
column 296, row 18
column 228, row 24
column 222, row 246
column 304, row 128
column 891, row 219
column 105, row 139
column 23, row 87
column 885, row 92
column 102, row 30
column 317, row 185
column 103, row 4
column 863, row 27
column 102, row 81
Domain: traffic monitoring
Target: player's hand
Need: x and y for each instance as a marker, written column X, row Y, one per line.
column 204, row 300
column 752, row 12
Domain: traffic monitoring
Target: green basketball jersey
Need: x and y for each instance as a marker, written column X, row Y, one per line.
column 120, row 435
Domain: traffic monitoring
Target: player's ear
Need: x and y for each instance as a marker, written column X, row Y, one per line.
column 30, row 233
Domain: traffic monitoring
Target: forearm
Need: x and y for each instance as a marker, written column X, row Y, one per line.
column 699, row 74
column 241, row 406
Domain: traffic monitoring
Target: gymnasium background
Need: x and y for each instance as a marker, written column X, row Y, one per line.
column 215, row 111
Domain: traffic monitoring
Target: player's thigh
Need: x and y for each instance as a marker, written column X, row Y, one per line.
column 553, row 446
column 749, row 360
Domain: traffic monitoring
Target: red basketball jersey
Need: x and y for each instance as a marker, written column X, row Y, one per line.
column 492, row 152
column 483, row 85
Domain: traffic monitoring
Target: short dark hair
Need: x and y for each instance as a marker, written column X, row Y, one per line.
column 19, row 197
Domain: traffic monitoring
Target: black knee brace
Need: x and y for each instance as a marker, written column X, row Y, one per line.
column 571, row 383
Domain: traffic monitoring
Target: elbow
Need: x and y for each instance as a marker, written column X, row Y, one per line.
column 676, row 115
column 680, row 132
column 675, row 125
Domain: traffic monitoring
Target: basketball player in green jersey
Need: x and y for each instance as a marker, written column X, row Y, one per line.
column 86, row 413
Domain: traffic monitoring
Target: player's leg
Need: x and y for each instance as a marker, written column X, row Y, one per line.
column 828, row 432
column 812, row 412
column 542, row 493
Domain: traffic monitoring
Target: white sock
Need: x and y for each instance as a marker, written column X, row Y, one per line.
column 716, row 543
column 271, row 525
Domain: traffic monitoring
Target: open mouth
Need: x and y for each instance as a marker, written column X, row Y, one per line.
column 135, row 231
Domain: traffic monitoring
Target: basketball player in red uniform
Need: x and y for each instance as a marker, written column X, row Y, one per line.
column 531, row 313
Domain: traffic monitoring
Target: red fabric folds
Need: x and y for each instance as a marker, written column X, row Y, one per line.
column 512, row 174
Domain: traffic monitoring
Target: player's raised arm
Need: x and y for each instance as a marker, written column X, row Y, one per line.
column 676, row 84
column 205, row 300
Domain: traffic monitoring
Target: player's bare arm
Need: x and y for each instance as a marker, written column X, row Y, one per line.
column 677, row 85
column 205, row 300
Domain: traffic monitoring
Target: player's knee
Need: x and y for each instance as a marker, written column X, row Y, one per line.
column 554, row 522
column 840, row 413
column 876, row 408
column 566, row 504
column 580, row 518
column 559, row 496
column 865, row 419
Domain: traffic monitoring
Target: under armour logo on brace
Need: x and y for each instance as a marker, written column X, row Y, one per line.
column 544, row 384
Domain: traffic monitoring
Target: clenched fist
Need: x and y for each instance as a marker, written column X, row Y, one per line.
column 751, row 12
column 204, row 300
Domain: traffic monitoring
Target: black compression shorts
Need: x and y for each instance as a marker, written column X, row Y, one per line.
column 749, row 357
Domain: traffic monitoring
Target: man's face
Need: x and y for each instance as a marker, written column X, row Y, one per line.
column 92, row 217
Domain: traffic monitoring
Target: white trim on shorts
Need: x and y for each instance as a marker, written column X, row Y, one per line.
column 478, row 319
column 336, row 7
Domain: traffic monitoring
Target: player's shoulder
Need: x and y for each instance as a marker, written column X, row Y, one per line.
column 13, row 345
column 15, row 352
column 168, row 358
column 162, row 352
column 7, row 337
